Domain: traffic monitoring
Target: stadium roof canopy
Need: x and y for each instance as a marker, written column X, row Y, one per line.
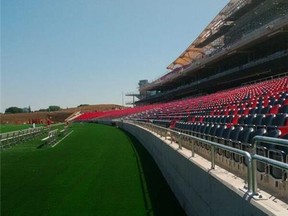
column 247, row 39
column 221, row 23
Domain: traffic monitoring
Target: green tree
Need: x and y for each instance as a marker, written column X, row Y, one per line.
column 13, row 110
column 54, row 108
column 83, row 105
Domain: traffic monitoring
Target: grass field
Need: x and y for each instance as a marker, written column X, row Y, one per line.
column 13, row 127
column 97, row 170
column 4, row 128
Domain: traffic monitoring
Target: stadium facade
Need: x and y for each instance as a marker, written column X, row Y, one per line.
column 247, row 41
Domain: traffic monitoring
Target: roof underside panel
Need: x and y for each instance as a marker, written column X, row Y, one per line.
column 219, row 26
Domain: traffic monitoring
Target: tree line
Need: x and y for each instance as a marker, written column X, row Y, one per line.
column 14, row 109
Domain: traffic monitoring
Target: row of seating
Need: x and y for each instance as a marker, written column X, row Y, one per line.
column 255, row 119
column 110, row 114
column 268, row 98
column 241, row 138
column 231, row 117
column 252, row 105
column 269, row 109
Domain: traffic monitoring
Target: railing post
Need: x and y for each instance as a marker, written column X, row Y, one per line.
column 180, row 140
column 249, row 173
column 193, row 148
column 212, row 157
column 254, row 168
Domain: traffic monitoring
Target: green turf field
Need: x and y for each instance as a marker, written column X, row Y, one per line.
column 4, row 128
column 13, row 127
column 97, row 170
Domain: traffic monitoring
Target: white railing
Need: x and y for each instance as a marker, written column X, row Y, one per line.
column 10, row 139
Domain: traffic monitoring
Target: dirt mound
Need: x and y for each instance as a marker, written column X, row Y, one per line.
column 57, row 116
column 94, row 108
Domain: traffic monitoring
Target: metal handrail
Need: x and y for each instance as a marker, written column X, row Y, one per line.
column 251, row 158
column 23, row 130
column 271, row 140
column 213, row 145
column 13, row 137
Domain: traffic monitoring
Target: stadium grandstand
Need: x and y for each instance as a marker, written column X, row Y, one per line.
column 229, row 86
column 245, row 42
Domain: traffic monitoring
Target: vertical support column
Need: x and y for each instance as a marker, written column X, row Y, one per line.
column 254, row 168
column 193, row 148
column 180, row 137
column 249, row 173
column 212, row 157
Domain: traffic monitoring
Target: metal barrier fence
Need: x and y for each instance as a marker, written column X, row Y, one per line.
column 255, row 157
column 250, row 158
column 15, row 137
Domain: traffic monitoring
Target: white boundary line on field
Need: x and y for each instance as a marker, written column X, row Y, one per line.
column 61, row 139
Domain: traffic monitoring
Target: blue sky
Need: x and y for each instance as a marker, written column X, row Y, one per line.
column 71, row 52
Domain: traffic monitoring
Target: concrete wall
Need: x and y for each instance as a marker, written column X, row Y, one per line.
column 199, row 190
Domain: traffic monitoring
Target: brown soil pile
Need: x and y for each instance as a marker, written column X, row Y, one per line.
column 93, row 108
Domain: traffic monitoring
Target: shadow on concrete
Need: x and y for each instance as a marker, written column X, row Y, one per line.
column 162, row 199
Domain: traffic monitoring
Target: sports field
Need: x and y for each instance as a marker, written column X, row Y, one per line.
column 97, row 170
column 12, row 127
